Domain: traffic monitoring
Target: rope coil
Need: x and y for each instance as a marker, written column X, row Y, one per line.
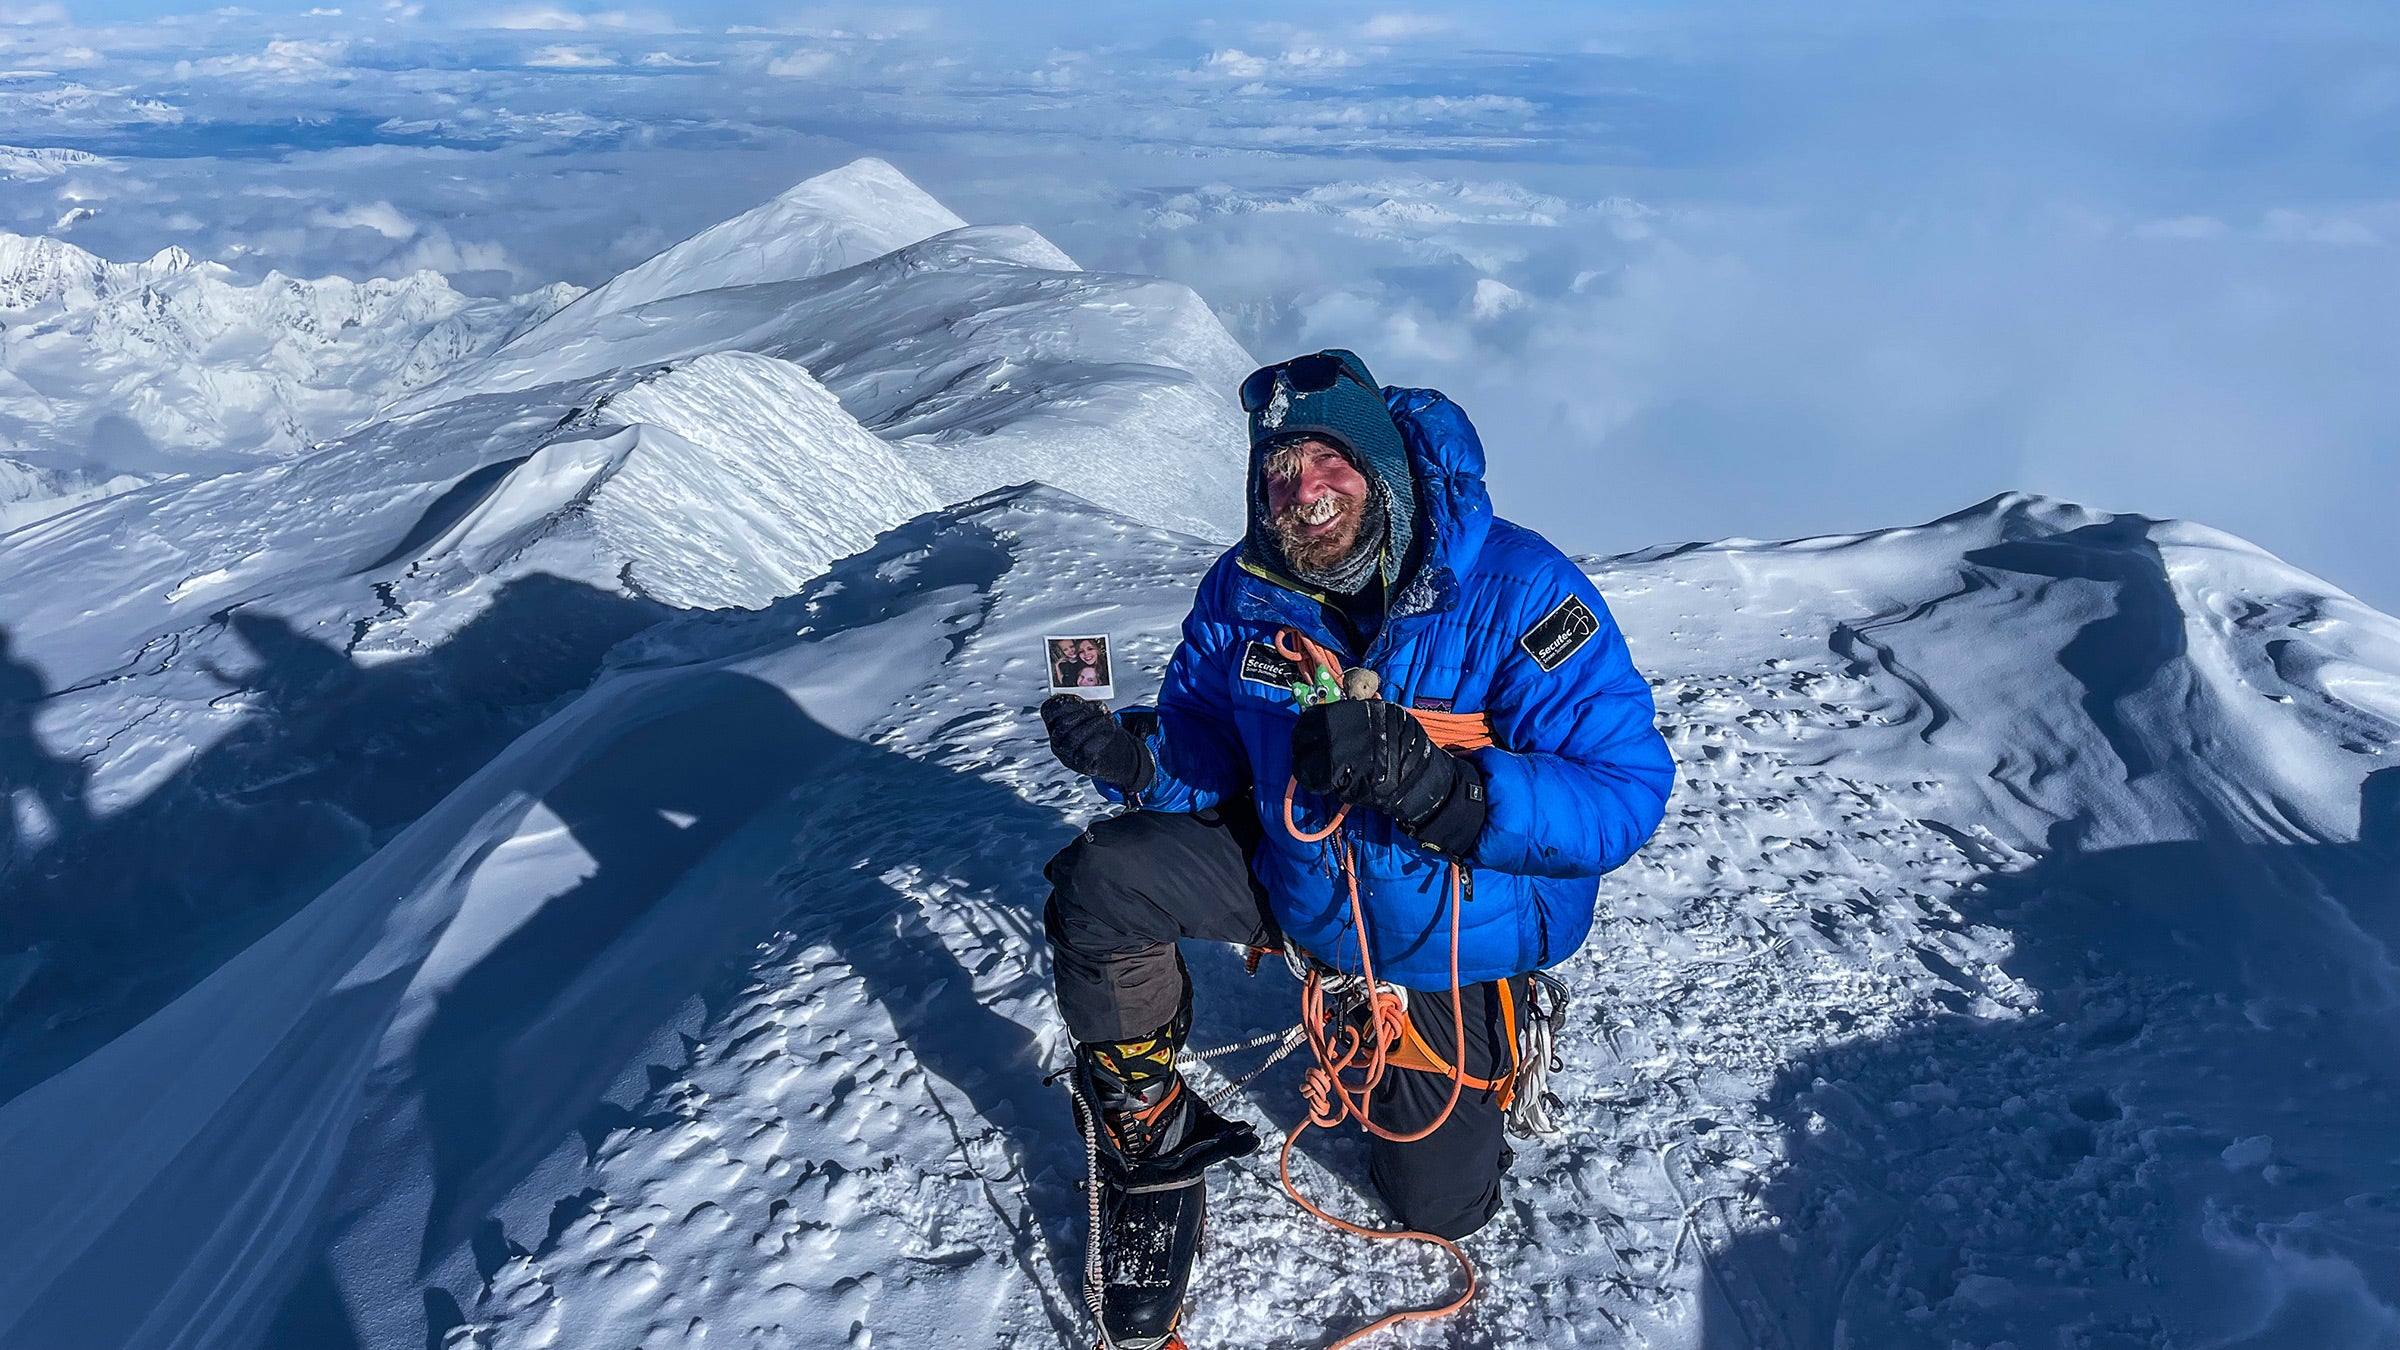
column 1335, row 1038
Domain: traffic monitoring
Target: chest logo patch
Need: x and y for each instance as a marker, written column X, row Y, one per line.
column 1261, row 662
column 1560, row 634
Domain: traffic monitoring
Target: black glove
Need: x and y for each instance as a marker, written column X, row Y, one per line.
column 1089, row 741
column 1371, row 753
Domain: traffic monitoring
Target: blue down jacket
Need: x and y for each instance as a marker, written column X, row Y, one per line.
column 1494, row 619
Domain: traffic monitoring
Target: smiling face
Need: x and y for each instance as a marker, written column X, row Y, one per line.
column 1315, row 502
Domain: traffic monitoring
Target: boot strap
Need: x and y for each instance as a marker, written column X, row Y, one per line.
column 1214, row 1139
column 1154, row 1187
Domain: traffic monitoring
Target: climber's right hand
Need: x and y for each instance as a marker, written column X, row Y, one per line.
column 1092, row 743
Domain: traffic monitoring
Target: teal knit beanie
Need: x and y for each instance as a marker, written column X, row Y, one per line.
column 1352, row 415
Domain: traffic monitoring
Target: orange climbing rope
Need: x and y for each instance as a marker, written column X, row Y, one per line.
column 1449, row 730
column 1338, row 1045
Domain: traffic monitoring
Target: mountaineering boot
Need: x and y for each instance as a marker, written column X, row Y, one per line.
column 1156, row 1139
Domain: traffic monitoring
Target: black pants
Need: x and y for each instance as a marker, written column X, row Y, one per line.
column 1131, row 885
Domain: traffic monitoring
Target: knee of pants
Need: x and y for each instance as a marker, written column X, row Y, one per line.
column 1069, row 909
column 1097, row 861
column 1091, row 881
column 1446, row 1185
column 1436, row 1195
column 1100, row 882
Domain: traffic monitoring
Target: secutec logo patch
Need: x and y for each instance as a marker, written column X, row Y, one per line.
column 1261, row 662
column 1559, row 633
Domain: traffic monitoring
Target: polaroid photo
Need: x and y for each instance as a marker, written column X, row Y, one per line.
column 1079, row 665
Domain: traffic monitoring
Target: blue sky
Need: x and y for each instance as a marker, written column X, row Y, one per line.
column 1697, row 270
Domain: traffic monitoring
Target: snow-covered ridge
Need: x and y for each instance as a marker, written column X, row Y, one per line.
column 44, row 161
column 31, row 492
column 862, row 210
column 729, row 481
column 41, row 271
column 170, row 361
column 702, row 467
column 2193, row 659
column 983, row 352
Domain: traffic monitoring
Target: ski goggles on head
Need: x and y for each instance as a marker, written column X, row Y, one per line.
column 1311, row 374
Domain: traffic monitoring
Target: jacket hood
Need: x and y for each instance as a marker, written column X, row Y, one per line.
column 1454, row 507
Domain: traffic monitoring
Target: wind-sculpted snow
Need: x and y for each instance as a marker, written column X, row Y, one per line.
column 727, row 482
column 714, row 1009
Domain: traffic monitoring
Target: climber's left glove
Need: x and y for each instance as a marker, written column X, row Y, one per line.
column 1372, row 753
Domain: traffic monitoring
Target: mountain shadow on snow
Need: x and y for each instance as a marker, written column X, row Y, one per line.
column 55, row 782
column 124, row 912
column 2237, row 992
column 556, row 1031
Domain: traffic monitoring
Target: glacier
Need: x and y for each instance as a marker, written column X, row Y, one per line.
column 559, row 864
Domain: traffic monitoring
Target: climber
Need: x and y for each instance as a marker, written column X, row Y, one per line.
column 1371, row 540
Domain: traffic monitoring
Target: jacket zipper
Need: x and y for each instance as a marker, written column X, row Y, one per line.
column 1378, row 645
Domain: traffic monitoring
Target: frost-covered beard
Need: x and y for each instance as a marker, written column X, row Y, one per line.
column 1320, row 552
column 1339, row 559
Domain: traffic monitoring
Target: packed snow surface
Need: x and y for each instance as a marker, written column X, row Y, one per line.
column 560, row 866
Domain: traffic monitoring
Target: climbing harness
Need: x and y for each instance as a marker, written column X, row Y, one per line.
column 1357, row 1027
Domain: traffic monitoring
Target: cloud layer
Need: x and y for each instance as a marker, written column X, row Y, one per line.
column 1724, row 271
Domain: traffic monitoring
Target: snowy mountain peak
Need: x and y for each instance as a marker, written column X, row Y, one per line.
column 39, row 270
column 871, row 195
column 2026, row 513
column 45, row 161
column 2015, row 860
column 982, row 351
column 172, row 362
column 578, row 835
column 845, row 216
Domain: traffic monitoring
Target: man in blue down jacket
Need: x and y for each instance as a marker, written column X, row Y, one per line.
column 1372, row 535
